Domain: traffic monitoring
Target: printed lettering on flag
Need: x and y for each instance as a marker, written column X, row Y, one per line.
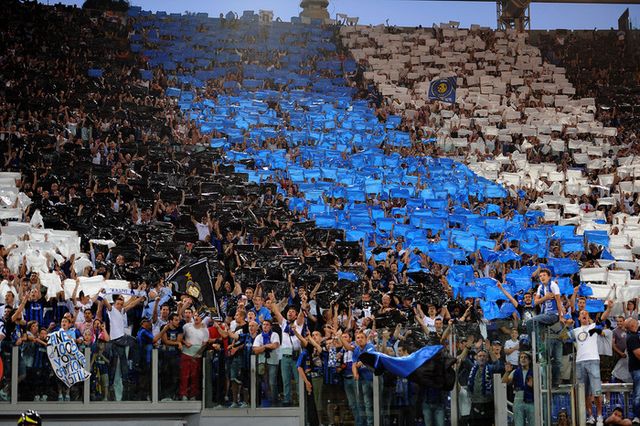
column 67, row 361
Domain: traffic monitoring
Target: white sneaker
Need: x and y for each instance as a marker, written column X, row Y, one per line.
column 36, row 398
column 167, row 399
column 599, row 421
column 243, row 405
column 234, row 405
column 44, row 398
column 591, row 420
column 636, row 421
column 184, row 398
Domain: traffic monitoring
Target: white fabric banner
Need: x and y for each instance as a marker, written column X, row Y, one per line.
column 67, row 361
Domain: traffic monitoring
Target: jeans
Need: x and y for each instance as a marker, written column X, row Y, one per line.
column 351, row 389
column 433, row 414
column 270, row 383
column 553, row 345
column 144, row 385
column 545, row 319
column 289, row 371
column 170, row 367
column 118, row 352
column 311, row 415
column 635, row 375
column 588, row 372
column 365, row 402
column 318, row 393
column 217, row 378
column 523, row 413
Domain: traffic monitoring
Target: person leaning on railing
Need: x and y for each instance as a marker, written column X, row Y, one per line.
column 289, row 346
column 265, row 346
column 193, row 337
column 169, row 357
column 522, row 380
column 480, row 389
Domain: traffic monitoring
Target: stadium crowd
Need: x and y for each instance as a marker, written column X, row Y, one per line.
column 107, row 157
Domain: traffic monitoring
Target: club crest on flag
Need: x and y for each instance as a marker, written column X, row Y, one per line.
column 443, row 89
column 194, row 280
column 193, row 288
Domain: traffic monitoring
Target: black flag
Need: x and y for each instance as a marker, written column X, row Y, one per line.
column 194, row 280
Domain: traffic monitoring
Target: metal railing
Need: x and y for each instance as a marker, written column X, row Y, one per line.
column 82, row 396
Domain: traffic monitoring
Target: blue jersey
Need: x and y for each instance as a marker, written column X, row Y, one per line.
column 34, row 311
column 549, row 306
column 145, row 342
column 262, row 314
column 364, row 372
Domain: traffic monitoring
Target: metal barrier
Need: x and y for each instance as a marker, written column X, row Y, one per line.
column 83, row 400
column 500, row 401
column 546, row 396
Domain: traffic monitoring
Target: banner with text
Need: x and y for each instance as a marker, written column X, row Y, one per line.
column 67, row 361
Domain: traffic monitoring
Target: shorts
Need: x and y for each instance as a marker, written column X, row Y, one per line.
column 236, row 369
column 588, row 372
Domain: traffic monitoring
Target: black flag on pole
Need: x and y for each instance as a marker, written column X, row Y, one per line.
column 195, row 280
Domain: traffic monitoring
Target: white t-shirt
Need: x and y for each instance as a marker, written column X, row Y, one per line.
column 196, row 337
column 118, row 322
column 289, row 342
column 203, row 231
column 513, row 357
column 605, row 343
column 431, row 323
column 586, row 344
column 2, row 310
column 275, row 354
column 157, row 326
column 84, row 306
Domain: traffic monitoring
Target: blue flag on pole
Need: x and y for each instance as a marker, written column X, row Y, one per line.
column 443, row 89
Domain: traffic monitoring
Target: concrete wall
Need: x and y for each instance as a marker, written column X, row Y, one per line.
column 133, row 420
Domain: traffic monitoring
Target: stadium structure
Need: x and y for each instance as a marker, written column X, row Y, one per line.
column 308, row 150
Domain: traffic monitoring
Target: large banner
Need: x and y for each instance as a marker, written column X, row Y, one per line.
column 67, row 360
column 195, row 280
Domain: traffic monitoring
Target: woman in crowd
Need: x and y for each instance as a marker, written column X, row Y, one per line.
column 522, row 380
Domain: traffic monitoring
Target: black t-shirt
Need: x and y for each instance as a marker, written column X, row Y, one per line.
column 172, row 335
column 633, row 342
column 526, row 313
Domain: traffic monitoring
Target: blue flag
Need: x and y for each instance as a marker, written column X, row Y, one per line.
column 594, row 305
column 443, row 89
column 349, row 276
column 428, row 366
column 606, row 255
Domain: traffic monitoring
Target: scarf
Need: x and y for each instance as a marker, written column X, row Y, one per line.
column 332, row 360
column 288, row 329
column 266, row 338
column 487, row 384
column 125, row 292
